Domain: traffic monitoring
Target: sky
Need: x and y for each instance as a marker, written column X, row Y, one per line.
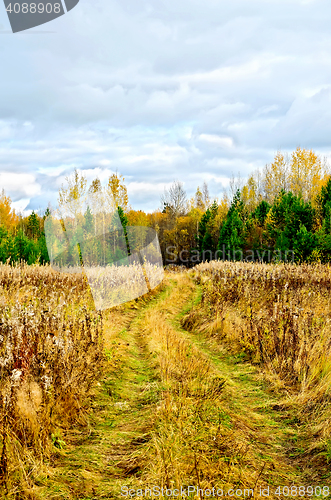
column 188, row 90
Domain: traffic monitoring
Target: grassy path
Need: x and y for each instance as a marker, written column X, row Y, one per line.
column 262, row 417
column 175, row 410
column 96, row 458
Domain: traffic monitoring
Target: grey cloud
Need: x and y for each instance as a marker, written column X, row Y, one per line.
column 162, row 90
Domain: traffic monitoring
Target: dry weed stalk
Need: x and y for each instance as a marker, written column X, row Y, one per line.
column 279, row 316
column 50, row 354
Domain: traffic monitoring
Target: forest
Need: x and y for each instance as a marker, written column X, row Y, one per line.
column 280, row 214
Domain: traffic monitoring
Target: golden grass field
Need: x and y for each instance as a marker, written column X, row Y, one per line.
column 220, row 377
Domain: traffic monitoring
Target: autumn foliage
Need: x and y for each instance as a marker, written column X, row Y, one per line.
column 283, row 209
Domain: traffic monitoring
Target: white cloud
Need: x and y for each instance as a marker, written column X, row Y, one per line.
column 223, row 142
column 145, row 188
column 160, row 90
column 19, row 183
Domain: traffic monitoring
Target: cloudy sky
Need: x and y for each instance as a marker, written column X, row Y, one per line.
column 159, row 90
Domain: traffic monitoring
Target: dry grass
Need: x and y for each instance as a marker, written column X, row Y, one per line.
column 192, row 440
column 278, row 317
column 51, row 353
column 114, row 285
column 174, row 407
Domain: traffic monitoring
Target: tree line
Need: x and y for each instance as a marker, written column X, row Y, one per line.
column 280, row 213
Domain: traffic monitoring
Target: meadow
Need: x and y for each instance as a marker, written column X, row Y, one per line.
column 219, row 377
column 51, row 348
column 278, row 318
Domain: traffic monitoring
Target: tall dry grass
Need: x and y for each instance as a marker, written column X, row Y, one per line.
column 277, row 316
column 50, row 354
column 191, row 440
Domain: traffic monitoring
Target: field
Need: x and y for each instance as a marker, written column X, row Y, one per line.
column 219, row 378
